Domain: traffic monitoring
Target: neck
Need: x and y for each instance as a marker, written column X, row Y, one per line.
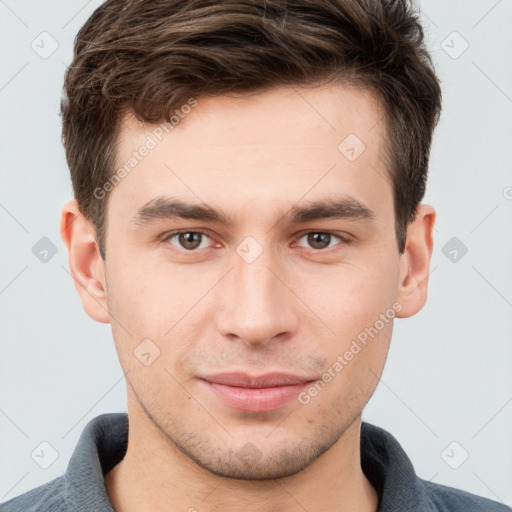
column 156, row 476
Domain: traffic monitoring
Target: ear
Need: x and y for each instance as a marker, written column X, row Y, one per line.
column 415, row 262
column 85, row 262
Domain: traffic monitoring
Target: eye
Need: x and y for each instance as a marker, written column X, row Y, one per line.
column 187, row 240
column 191, row 241
column 321, row 240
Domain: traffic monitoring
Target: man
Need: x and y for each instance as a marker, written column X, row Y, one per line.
column 248, row 178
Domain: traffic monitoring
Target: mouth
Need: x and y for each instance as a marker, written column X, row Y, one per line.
column 250, row 393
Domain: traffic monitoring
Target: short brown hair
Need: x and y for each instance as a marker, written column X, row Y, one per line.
column 151, row 56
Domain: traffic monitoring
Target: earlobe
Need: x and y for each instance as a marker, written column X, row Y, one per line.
column 85, row 263
column 415, row 262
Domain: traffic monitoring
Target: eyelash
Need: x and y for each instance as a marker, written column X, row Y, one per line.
column 343, row 240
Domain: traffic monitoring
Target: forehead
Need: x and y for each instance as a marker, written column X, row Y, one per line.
column 258, row 117
column 288, row 142
column 311, row 115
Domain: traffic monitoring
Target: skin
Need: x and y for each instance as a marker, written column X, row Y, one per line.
column 295, row 309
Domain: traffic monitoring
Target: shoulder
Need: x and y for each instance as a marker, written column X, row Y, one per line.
column 390, row 471
column 449, row 499
column 101, row 445
column 50, row 496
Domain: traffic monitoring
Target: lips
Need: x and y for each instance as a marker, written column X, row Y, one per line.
column 245, row 380
column 251, row 393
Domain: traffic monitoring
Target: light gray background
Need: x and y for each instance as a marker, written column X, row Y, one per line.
column 448, row 375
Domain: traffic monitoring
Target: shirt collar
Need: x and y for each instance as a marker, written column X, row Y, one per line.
column 104, row 441
column 390, row 471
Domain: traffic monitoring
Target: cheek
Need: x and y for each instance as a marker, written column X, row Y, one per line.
column 353, row 370
column 155, row 310
column 349, row 298
column 149, row 297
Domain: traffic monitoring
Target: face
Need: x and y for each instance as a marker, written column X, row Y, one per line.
column 285, row 261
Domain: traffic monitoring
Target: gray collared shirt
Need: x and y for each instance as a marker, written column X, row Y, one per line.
column 103, row 444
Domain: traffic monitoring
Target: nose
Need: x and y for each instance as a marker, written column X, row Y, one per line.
column 255, row 304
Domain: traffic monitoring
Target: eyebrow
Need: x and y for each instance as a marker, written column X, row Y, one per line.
column 167, row 208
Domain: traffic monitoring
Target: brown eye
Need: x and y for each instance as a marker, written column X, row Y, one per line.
column 190, row 240
column 320, row 240
column 187, row 240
